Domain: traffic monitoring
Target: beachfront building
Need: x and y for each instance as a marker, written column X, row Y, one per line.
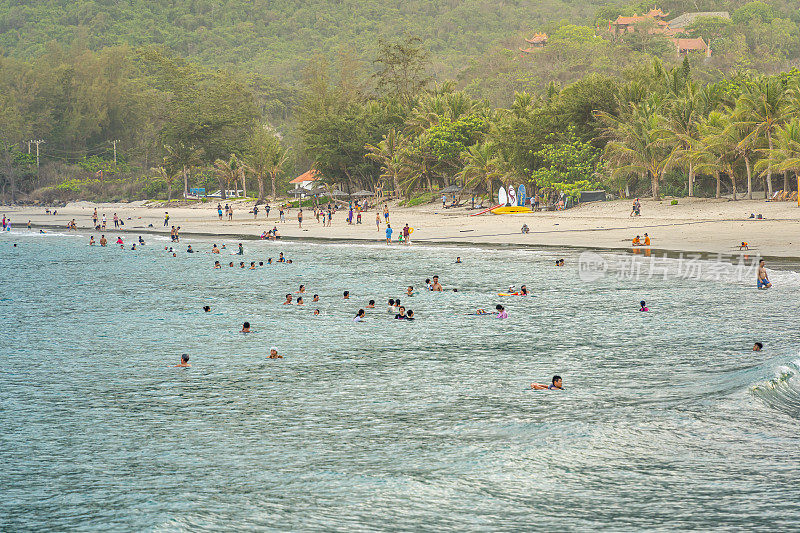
column 537, row 41
column 306, row 180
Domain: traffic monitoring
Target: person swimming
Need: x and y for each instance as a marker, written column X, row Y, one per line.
column 501, row 312
column 359, row 316
column 436, row 287
column 410, row 315
column 316, row 312
column 245, row 328
column 410, row 291
column 91, row 240
column 299, row 300
column 458, row 259
column 241, row 264
column 371, row 304
column 315, row 298
column 757, row 347
column 141, row 241
column 288, row 299
column 523, row 291
column 273, row 353
column 184, row 362
column 241, row 250
column 390, row 308
column 346, row 295
column 252, row 265
column 557, row 384
column 214, row 249
column 206, row 308
column 302, row 289
column 642, row 306
column 230, row 264
column 189, row 250
column 401, row 315
column 217, row 265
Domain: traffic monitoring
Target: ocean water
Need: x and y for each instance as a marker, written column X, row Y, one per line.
column 668, row 420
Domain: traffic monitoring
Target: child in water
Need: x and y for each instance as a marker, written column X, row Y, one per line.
column 643, row 307
column 184, row 362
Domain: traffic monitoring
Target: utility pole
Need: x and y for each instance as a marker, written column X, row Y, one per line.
column 114, row 142
column 29, row 146
column 37, row 143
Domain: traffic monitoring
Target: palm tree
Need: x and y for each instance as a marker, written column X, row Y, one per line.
column 786, row 156
column 481, row 166
column 264, row 157
column 227, row 173
column 637, row 144
column 388, row 154
column 760, row 110
column 679, row 128
column 168, row 175
column 715, row 150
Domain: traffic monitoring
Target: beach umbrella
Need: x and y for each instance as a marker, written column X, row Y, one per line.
column 339, row 194
column 298, row 192
column 363, row 194
column 452, row 189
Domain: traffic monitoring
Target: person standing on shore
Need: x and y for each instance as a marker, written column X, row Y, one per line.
column 282, row 215
column 219, row 211
column 94, row 218
column 386, row 213
column 407, row 234
column 378, row 220
column 104, row 222
column 388, row 234
column 116, row 221
column 230, row 214
column 762, row 282
column 300, row 218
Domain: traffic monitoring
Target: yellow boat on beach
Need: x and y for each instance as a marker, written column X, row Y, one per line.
column 511, row 209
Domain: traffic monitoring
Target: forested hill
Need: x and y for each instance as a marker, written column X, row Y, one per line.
column 275, row 37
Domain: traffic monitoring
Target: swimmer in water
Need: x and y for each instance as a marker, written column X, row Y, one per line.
column 184, row 362
column 206, row 308
column 261, row 263
column 302, row 289
column 428, row 284
column 410, row 291
column 299, row 300
column 359, row 316
column 230, row 264
column 214, row 249
column 557, row 384
column 346, row 295
column 401, row 315
column 252, row 265
column 371, row 304
column 501, row 311
column 189, row 250
column 410, row 315
column 245, row 328
column 217, row 265
column 316, row 312
column 103, row 240
column 523, row 291
column 458, row 259
column 436, row 287
column 141, row 241
column 273, row 353
column 643, row 307
column 757, row 347
column 390, row 308
column 288, row 299
column 241, row 264
column 316, row 298
column 91, row 240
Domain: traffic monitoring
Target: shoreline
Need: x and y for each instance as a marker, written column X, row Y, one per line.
column 697, row 226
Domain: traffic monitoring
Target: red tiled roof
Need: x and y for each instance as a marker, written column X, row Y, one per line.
column 691, row 44
column 311, row 175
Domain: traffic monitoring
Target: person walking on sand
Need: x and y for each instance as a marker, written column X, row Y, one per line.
column 300, row 218
column 116, row 221
column 386, row 213
column 230, row 214
column 407, row 234
column 219, row 211
column 388, row 234
column 378, row 220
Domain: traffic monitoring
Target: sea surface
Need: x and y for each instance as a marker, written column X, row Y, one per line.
column 668, row 420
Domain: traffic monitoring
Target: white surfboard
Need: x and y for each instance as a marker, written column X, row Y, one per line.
column 512, row 196
column 502, row 197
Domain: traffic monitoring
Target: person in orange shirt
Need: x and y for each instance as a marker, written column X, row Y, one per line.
column 636, row 241
column 646, row 239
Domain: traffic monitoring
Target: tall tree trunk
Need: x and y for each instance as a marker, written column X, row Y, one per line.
column 260, row 188
column 222, row 186
column 654, row 178
column 749, row 177
column 769, row 169
column 272, row 175
column 185, row 183
column 733, row 181
column 169, row 189
column 691, row 179
column 719, row 184
column 244, row 185
column 785, row 180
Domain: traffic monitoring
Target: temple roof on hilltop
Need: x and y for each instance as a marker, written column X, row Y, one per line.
column 656, row 12
column 311, row 175
column 538, row 38
column 691, row 44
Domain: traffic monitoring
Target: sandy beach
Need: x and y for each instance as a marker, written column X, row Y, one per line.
column 693, row 225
